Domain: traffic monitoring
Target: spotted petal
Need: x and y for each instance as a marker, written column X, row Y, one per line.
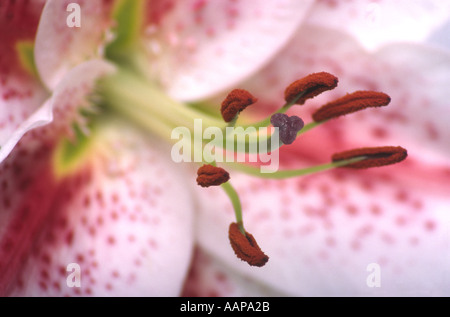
column 20, row 93
column 325, row 233
column 113, row 218
column 198, row 48
column 415, row 77
column 375, row 23
column 184, row 49
column 71, row 95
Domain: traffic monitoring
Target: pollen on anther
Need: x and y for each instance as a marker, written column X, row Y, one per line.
column 310, row 86
column 350, row 103
column 209, row 175
column 245, row 247
column 236, row 101
column 372, row 157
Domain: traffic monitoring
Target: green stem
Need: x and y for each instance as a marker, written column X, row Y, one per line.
column 136, row 97
column 234, row 198
column 147, row 121
column 255, row 171
column 309, row 126
column 127, row 89
column 235, row 201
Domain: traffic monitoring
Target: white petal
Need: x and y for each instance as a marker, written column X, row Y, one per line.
column 60, row 47
column 40, row 117
column 375, row 23
column 69, row 96
column 440, row 36
column 201, row 47
column 73, row 93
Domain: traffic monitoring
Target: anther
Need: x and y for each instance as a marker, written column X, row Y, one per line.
column 375, row 156
column 350, row 103
column 236, row 101
column 209, row 175
column 245, row 246
column 288, row 126
column 308, row 87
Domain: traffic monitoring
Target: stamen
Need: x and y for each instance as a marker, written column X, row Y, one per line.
column 350, row 103
column 209, row 175
column 288, row 126
column 245, row 246
column 375, row 156
column 158, row 113
column 236, row 101
column 308, row 87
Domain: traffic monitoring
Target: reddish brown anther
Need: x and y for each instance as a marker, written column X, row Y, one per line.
column 209, row 175
column 308, row 87
column 350, row 103
column 376, row 156
column 236, row 101
column 245, row 246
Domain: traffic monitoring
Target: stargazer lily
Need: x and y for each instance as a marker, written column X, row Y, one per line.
column 88, row 184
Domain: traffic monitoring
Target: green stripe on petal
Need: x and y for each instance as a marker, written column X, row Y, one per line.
column 25, row 51
column 70, row 155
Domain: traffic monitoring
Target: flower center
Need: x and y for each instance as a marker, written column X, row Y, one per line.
column 133, row 96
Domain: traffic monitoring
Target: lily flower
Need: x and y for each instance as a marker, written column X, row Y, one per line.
column 88, row 185
column 92, row 204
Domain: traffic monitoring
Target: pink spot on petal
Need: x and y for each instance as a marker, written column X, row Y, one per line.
column 430, row 225
column 432, row 131
column 111, row 240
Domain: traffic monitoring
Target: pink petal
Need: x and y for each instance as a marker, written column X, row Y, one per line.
column 20, row 93
column 375, row 23
column 210, row 277
column 200, row 47
column 439, row 37
column 75, row 92
column 322, row 232
column 60, row 47
column 63, row 108
column 40, row 117
column 416, row 78
column 18, row 22
column 115, row 218
column 27, row 191
column 419, row 88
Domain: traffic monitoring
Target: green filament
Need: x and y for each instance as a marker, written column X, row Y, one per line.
column 255, row 171
column 236, row 202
